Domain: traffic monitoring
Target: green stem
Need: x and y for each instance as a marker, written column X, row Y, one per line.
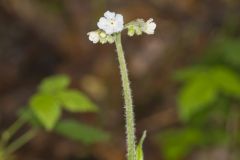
column 8, row 133
column 18, row 143
column 130, row 124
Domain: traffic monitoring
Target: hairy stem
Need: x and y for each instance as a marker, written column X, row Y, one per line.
column 129, row 113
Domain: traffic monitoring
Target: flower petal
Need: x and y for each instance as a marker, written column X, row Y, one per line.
column 109, row 15
column 150, row 20
column 119, row 18
column 102, row 22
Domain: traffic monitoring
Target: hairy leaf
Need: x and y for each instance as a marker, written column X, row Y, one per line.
column 139, row 150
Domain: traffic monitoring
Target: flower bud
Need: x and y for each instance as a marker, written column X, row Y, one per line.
column 93, row 36
column 149, row 27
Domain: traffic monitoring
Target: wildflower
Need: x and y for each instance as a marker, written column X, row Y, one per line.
column 110, row 39
column 149, row 27
column 111, row 22
column 93, row 36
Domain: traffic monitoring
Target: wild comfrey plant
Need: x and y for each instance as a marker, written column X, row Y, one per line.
column 110, row 28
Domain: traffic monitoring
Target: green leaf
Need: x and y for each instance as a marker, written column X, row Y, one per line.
column 178, row 143
column 54, row 83
column 216, row 136
column 189, row 73
column 227, row 80
column 80, row 132
column 75, row 101
column 139, row 150
column 230, row 49
column 196, row 95
column 46, row 108
column 224, row 49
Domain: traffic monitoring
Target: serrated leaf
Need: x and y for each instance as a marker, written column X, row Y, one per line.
column 46, row 108
column 80, row 132
column 54, row 83
column 196, row 95
column 75, row 101
column 139, row 150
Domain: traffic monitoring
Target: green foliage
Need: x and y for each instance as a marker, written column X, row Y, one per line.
column 196, row 95
column 224, row 49
column 139, row 150
column 206, row 100
column 187, row 74
column 80, row 132
column 28, row 115
column 46, row 108
column 54, row 95
column 202, row 89
column 75, row 101
column 177, row 143
column 54, row 84
column 227, row 81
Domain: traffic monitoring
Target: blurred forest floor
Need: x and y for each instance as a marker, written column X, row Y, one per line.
column 39, row 38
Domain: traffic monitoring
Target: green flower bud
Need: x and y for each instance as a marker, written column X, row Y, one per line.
column 138, row 31
column 103, row 35
column 110, row 39
column 131, row 30
column 103, row 40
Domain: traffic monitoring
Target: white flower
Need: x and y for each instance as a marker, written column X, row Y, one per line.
column 149, row 27
column 93, row 36
column 111, row 22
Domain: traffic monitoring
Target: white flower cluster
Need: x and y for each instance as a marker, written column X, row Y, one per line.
column 138, row 26
column 113, row 23
column 100, row 36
